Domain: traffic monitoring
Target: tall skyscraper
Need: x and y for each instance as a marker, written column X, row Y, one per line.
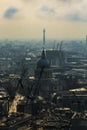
column 86, row 40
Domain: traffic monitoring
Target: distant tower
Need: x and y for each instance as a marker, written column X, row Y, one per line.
column 44, row 38
column 86, row 40
column 43, row 62
column 43, row 72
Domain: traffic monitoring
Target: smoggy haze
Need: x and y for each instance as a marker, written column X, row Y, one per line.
column 26, row 18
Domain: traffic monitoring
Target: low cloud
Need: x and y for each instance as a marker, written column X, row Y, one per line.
column 69, row 10
column 73, row 10
column 10, row 12
column 47, row 9
column 46, row 12
column 75, row 17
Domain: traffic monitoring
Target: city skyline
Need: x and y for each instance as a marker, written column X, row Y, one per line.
column 63, row 19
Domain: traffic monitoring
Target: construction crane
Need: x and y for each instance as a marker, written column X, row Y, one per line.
column 61, row 55
column 57, row 46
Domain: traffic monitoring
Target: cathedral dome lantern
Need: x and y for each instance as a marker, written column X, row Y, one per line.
column 43, row 62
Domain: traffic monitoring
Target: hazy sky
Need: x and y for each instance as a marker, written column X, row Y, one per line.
column 62, row 19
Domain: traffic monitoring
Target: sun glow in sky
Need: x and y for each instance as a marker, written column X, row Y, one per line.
column 62, row 19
